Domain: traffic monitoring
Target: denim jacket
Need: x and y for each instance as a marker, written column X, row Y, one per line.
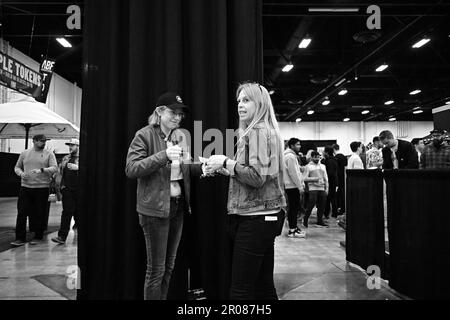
column 148, row 163
column 256, row 182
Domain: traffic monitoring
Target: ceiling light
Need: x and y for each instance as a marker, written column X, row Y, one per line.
column 389, row 102
column 343, row 92
column 298, row 120
column 392, row 119
column 326, row 102
column 310, row 112
column 340, row 82
column 346, row 120
column 64, row 42
column 421, row 43
column 288, row 67
column 448, row 102
column 304, row 43
column 415, row 92
column 418, row 112
column 382, row 68
column 365, row 112
column 333, row 9
column 271, row 92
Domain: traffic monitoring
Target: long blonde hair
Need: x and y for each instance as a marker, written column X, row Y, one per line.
column 264, row 113
column 264, row 109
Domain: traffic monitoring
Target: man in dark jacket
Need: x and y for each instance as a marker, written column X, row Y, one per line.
column 332, row 171
column 398, row 154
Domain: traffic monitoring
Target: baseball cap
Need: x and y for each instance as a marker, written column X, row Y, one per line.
column 171, row 100
column 73, row 141
column 40, row 137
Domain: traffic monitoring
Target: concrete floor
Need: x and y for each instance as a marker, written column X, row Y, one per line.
column 305, row 269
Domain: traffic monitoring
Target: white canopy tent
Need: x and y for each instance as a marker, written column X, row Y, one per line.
column 26, row 118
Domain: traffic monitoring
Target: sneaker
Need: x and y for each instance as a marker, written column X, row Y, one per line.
column 17, row 243
column 291, row 234
column 59, row 240
column 321, row 225
column 299, row 233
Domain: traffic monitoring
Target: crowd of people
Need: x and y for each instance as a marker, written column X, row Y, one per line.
column 318, row 180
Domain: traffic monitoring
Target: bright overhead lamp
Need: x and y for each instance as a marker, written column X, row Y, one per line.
column 333, row 9
column 271, row 92
column 418, row 111
column 310, row 112
column 304, row 43
column 415, row 92
column 346, row 120
column 392, row 119
column 365, row 112
column 326, row 102
column 298, row 120
column 448, row 102
column 421, row 43
column 288, row 67
column 64, row 42
column 382, row 67
column 388, row 103
column 340, row 82
column 343, row 92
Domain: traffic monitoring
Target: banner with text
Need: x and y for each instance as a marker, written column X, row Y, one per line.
column 17, row 76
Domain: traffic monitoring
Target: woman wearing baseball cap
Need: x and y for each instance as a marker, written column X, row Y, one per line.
column 157, row 158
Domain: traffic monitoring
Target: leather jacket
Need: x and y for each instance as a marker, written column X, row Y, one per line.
column 148, row 163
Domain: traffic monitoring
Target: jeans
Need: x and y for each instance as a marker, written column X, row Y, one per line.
column 70, row 209
column 340, row 199
column 162, row 236
column 294, row 206
column 316, row 198
column 32, row 203
column 253, row 257
column 331, row 202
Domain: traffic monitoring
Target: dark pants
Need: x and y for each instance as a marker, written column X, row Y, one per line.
column 70, row 209
column 316, row 198
column 32, row 203
column 340, row 199
column 294, row 206
column 253, row 257
column 331, row 202
column 162, row 236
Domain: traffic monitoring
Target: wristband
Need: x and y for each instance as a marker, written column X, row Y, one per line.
column 42, row 170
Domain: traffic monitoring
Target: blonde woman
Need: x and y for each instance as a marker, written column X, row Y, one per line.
column 256, row 197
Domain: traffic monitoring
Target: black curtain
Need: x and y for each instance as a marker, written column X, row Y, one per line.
column 133, row 52
column 418, row 226
column 364, row 241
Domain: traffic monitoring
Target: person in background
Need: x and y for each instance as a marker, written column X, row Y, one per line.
column 67, row 180
column 436, row 154
column 398, row 154
column 317, row 178
column 294, row 186
column 355, row 162
column 35, row 167
column 342, row 162
column 256, row 199
column 418, row 145
column 332, row 171
column 374, row 155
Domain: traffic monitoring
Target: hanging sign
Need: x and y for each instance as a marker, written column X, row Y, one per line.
column 17, row 76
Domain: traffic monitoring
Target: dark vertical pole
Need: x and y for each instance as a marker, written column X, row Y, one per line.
column 27, row 134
